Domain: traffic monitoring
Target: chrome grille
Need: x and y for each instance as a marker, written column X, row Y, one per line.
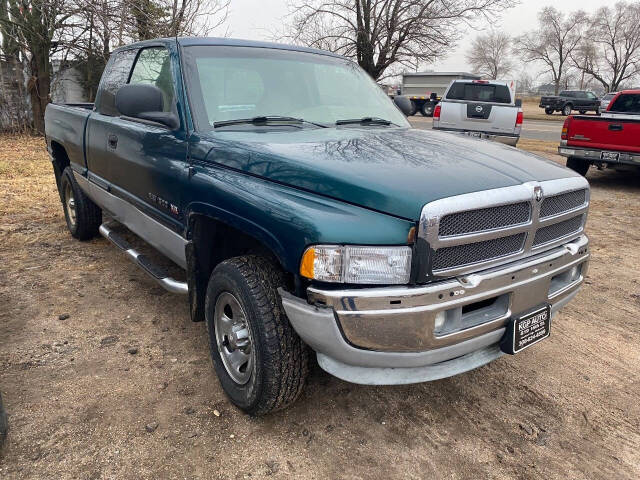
column 484, row 219
column 558, row 230
column 449, row 257
column 562, row 203
column 482, row 229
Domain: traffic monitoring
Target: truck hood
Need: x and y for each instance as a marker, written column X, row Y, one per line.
column 391, row 170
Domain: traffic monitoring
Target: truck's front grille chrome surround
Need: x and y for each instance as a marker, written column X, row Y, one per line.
column 491, row 227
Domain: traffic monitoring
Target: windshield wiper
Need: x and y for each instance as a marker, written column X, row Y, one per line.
column 265, row 120
column 365, row 121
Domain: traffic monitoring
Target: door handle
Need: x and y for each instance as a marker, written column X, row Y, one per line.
column 112, row 141
column 615, row 127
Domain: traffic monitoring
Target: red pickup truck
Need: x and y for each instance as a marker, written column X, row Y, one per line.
column 609, row 140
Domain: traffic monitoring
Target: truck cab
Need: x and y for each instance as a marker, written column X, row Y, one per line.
column 481, row 108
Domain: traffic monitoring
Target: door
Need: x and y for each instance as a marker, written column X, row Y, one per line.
column 103, row 121
column 592, row 100
column 147, row 161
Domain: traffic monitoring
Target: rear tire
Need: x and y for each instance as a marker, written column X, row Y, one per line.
column 246, row 323
column 566, row 110
column 414, row 109
column 548, row 111
column 582, row 112
column 83, row 217
column 427, row 109
column 578, row 165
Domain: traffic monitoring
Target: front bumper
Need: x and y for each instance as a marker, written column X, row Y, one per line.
column 391, row 335
column 596, row 155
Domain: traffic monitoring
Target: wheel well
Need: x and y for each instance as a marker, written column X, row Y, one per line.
column 212, row 242
column 59, row 159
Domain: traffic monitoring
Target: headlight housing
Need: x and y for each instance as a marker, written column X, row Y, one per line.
column 357, row 264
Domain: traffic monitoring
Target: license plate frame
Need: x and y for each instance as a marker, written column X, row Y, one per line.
column 527, row 330
column 610, row 156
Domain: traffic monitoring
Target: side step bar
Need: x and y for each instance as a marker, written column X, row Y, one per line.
column 155, row 271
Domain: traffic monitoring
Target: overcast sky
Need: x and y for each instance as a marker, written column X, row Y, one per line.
column 257, row 19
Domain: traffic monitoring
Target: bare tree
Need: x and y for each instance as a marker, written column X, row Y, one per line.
column 81, row 33
column 553, row 42
column 610, row 54
column 381, row 33
column 525, row 82
column 171, row 18
column 37, row 26
column 490, row 55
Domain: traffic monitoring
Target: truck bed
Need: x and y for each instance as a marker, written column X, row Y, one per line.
column 67, row 123
column 607, row 132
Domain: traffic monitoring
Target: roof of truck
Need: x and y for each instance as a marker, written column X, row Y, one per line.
column 229, row 42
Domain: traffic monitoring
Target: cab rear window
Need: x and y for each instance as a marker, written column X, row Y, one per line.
column 479, row 92
column 626, row 103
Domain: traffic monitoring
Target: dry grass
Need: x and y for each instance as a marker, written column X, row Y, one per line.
column 29, row 191
column 540, row 147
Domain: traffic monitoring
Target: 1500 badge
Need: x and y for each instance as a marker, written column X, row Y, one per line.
column 162, row 203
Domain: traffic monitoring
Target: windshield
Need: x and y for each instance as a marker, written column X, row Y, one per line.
column 231, row 83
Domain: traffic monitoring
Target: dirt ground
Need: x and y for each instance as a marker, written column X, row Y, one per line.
column 82, row 407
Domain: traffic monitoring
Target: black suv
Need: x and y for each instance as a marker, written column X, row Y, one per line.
column 569, row 100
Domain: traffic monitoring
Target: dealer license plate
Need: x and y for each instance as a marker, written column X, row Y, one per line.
column 611, row 156
column 527, row 330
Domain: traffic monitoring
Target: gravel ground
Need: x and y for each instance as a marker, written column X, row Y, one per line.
column 82, row 405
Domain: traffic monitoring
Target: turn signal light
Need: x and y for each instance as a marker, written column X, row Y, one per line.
column 436, row 112
column 565, row 128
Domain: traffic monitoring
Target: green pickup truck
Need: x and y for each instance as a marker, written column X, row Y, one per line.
column 308, row 216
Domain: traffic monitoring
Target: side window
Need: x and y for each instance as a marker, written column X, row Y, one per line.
column 115, row 75
column 154, row 67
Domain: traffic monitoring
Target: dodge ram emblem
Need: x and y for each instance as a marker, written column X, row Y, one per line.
column 537, row 191
column 479, row 108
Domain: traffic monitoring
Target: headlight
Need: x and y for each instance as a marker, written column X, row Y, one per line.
column 353, row 264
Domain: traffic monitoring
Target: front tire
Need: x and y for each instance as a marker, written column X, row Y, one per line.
column 83, row 217
column 578, row 165
column 566, row 110
column 260, row 360
column 548, row 111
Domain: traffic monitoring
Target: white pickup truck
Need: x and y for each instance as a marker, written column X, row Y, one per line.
column 481, row 108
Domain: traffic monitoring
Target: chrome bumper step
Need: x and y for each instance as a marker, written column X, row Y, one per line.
column 153, row 270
